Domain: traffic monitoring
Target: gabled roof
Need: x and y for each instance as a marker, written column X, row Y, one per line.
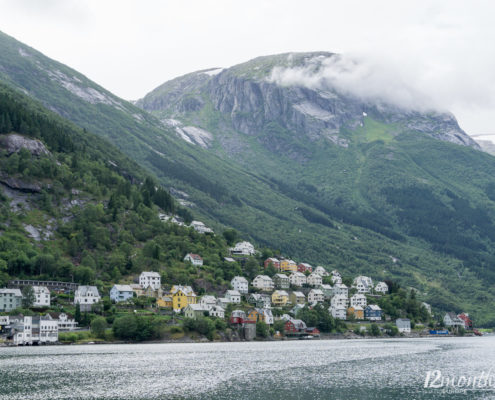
column 123, row 288
column 316, row 291
column 239, row 279
column 298, row 294
column 281, row 292
column 151, row 274
column 232, row 293
column 281, row 276
column 194, row 256
column 299, row 274
column 15, row 292
column 374, row 307
column 196, row 307
column 86, row 290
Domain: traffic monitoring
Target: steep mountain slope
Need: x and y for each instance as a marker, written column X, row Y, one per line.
column 412, row 176
column 70, row 209
column 375, row 193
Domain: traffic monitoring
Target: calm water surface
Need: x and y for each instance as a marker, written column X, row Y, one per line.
column 338, row 369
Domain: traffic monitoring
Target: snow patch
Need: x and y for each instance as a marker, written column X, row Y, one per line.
column 190, row 134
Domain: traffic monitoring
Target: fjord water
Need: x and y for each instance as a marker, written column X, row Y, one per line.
column 336, row 369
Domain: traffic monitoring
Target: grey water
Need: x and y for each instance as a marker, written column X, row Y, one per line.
column 322, row 369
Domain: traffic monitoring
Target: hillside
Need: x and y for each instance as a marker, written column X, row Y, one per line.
column 71, row 210
column 316, row 179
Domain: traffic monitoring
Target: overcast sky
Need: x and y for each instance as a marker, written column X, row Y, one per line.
column 443, row 50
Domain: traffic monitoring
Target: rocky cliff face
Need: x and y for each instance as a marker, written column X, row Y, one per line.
column 248, row 96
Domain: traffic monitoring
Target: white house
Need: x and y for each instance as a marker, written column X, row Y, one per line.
column 316, row 296
column 297, row 279
column 403, row 325
column 233, row 296
column 340, row 289
column 263, row 282
column 243, row 249
column 381, row 287
column 321, row 271
column 363, row 284
column 120, row 293
column 217, row 311
column 194, row 259
column 339, row 300
column 240, row 284
column 223, row 302
column 338, row 312
column 207, row 302
column 150, row 279
column 269, row 320
column 65, row 322
column 358, row 299
column 451, row 319
column 335, row 273
column 314, row 280
column 35, row 330
column 336, row 279
column 42, row 296
column 86, row 296
column 10, row 299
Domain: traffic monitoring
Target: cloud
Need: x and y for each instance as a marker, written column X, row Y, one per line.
column 364, row 77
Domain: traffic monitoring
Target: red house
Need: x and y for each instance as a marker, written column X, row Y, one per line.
column 303, row 267
column 237, row 317
column 274, row 261
column 468, row 324
column 313, row 331
column 294, row 326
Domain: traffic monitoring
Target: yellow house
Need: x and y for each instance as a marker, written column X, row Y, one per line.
column 288, row 265
column 164, row 302
column 182, row 296
column 280, row 298
column 254, row 315
column 357, row 311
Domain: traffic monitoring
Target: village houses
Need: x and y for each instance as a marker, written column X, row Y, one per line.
column 150, row 279
column 340, row 289
column 321, row 271
column 288, row 265
column 41, row 296
column 297, row 298
column 10, row 299
column 86, row 296
column 240, row 284
column 381, row 287
column 297, row 279
column 233, row 296
column 243, row 249
column 120, row 293
column 363, row 284
column 314, row 280
column 403, row 325
column 194, row 311
column 194, row 259
column 358, row 300
column 217, row 311
column 182, row 296
column 260, row 300
column 373, row 312
column 280, row 298
column 339, row 300
column 356, row 311
column 263, row 282
column 338, row 311
column 452, row 320
column 303, row 267
column 316, row 296
column 207, row 302
column 327, row 291
column 65, row 321
column 281, row 281
column 275, row 262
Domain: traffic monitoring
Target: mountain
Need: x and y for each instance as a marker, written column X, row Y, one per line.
column 327, row 178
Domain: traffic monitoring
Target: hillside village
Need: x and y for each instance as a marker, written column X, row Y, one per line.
column 285, row 299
